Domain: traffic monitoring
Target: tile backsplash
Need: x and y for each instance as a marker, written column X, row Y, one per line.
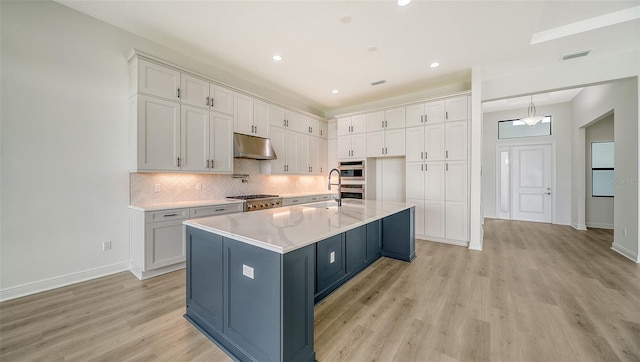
column 183, row 187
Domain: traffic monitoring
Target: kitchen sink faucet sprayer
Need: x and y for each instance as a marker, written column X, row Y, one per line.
column 337, row 198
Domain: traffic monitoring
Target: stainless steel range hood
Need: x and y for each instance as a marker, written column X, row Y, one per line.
column 256, row 148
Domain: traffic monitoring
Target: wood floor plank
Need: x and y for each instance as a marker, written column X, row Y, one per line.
column 537, row 292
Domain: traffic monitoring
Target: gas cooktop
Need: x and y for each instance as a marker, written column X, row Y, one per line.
column 258, row 202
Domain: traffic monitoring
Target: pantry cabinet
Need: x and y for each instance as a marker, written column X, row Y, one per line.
column 437, row 168
column 386, row 143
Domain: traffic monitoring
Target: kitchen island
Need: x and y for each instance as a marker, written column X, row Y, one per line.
column 253, row 278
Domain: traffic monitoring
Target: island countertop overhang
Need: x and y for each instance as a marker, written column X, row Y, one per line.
column 286, row 229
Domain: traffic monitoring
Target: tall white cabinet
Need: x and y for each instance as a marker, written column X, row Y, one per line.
column 437, row 168
column 174, row 125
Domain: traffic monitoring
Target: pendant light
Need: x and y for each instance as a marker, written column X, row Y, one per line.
column 532, row 119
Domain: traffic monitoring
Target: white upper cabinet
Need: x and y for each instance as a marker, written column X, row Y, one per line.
column 323, row 129
column 434, row 112
column 307, row 125
column 251, row 116
column 353, row 124
column 344, row 126
column 291, row 119
column 277, row 117
column 220, row 143
column 414, row 144
column 261, row 113
column 375, row 121
column 243, row 122
column 422, row 113
column 352, row 146
column 394, row 118
column 194, row 139
column 158, row 134
column 154, row 79
column 456, row 109
column 194, row 91
column 386, row 143
column 221, row 99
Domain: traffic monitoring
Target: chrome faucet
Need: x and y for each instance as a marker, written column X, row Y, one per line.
column 337, row 198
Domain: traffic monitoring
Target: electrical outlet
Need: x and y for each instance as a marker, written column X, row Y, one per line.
column 106, row 245
column 156, row 188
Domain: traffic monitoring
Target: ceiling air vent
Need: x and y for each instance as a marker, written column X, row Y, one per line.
column 576, row 55
column 378, row 82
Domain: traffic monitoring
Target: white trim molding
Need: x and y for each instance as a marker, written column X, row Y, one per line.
column 581, row 227
column 61, row 281
column 625, row 252
column 597, row 225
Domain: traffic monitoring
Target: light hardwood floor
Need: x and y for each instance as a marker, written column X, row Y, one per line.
column 537, row 292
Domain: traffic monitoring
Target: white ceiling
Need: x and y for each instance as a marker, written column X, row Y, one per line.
column 321, row 52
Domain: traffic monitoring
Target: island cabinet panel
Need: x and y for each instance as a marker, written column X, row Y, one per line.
column 252, row 299
column 257, row 305
column 204, row 287
column 373, row 241
column 299, row 270
column 398, row 235
column 330, row 263
column 356, row 249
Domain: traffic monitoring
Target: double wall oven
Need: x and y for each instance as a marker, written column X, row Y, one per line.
column 353, row 179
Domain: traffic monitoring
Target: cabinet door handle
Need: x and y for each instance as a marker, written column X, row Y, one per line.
column 446, row 115
column 426, row 155
column 426, row 167
column 256, row 127
column 284, row 123
column 382, row 124
column 207, row 163
column 207, row 101
column 421, row 155
column 422, row 167
column 386, row 124
column 386, row 151
column 178, row 161
column 211, row 163
column 219, row 210
column 169, row 215
column 446, row 154
column 178, row 92
column 446, row 167
column 421, row 118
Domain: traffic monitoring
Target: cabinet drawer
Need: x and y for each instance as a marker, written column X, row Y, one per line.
column 316, row 198
column 294, row 201
column 166, row 215
column 204, row 211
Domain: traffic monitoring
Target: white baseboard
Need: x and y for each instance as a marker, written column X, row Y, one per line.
column 625, row 252
column 598, row 225
column 61, row 281
column 581, row 227
column 142, row 275
column 444, row 241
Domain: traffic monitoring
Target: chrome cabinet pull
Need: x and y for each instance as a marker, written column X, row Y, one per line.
column 421, row 118
column 256, row 129
column 446, row 115
column 446, row 167
column 207, row 101
column 382, row 124
column 421, row 155
column 219, row 210
column 169, row 215
column 422, row 167
column 178, row 161
column 426, row 167
column 178, row 92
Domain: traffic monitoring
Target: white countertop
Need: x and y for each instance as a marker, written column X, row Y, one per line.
column 289, row 228
column 182, row 204
column 197, row 203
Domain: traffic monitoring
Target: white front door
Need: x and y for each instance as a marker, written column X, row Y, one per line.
column 531, row 183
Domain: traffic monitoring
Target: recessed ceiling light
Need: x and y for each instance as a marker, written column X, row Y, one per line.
column 403, row 2
column 334, row 91
column 277, row 58
column 434, row 64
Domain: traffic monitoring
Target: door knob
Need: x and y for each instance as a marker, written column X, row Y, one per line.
column 547, row 193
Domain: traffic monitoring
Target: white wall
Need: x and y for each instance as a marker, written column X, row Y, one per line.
column 591, row 105
column 64, row 178
column 561, row 123
column 599, row 210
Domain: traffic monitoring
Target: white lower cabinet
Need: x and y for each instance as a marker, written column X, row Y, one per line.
column 457, row 222
column 157, row 237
